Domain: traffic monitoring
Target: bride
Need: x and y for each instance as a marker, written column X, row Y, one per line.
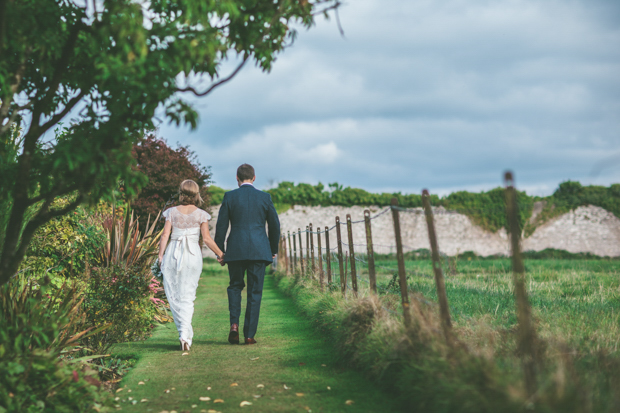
column 181, row 264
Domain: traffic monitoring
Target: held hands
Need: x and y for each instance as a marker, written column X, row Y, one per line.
column 220, row 259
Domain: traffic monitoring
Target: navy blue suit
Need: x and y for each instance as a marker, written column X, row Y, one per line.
column 249, row 248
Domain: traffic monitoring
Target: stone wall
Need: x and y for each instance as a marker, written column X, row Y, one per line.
column 586, row 229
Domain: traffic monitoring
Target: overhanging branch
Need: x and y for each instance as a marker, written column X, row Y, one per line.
column 216, row 84
column 58, row 117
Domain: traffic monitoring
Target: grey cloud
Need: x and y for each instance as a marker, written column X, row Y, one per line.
column 426, row 93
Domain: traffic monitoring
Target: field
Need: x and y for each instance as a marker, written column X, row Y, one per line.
column 575, row 305
column 576, row 301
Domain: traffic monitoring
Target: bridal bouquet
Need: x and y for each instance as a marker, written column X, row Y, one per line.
column 156, row 269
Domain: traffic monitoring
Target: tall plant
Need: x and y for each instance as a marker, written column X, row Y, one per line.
column 125, row 244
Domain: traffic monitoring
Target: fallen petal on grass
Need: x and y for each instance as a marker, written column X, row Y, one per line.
column 140, row 383
column 329, row 388
column 194, row 406
column 167, row 391
column 208, row 388
column 299, row 394
column 286, row 388
column 218, row 401
column 323, row 365
column 254, row 358
column 144, row 400
column 244, row 403
column 119, row 390
column 257, row 396
column 260, row 386
column 349, row 402
column 234, row 385
column 204, row 399
column 185, row 354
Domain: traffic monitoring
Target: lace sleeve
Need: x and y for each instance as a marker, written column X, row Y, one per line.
column 166, row 214
column 204, row 216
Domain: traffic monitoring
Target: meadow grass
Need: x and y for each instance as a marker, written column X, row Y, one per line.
column 575, row 303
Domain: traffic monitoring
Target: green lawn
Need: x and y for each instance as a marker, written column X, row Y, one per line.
column 298, row 369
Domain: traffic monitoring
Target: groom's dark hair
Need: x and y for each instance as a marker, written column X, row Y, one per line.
column 245, row 172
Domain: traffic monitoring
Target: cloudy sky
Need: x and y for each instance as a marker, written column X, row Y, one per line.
column 438, row 94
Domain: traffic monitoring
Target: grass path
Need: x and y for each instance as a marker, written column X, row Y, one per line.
column 289, row 353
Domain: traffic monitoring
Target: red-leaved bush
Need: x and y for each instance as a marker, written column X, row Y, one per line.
column 166, row 168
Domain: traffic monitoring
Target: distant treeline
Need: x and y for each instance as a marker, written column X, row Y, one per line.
column 486, row 209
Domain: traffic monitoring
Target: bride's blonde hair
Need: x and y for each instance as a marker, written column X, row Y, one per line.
column 189, row 193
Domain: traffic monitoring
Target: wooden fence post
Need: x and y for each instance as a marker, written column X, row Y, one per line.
column 307, row 251
column 372, row 276
column 312, row 250
column 285, row 255
column 404, row 290
column 277, row 267
column 320, row 258
column 444, row 309
column 295, row 247
column 301, row 252
column 352, row 255
column 527, row 334
column 328, row 256
column 290, row 253
column 343, row 281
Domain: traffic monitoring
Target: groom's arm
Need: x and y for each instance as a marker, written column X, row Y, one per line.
column 221, row 228
column 273, row 223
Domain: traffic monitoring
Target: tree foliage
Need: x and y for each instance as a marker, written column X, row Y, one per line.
column 165, row 168
column 486, row 208
column 107, row 69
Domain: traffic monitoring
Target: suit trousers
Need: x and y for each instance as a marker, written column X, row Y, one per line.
column 256, row 276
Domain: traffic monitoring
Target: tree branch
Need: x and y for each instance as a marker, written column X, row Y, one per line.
column 216, row 84
column 55, row 192
column 42, row 217
column 59, row 68
column 19, row 74
column 12, row 118
column 2, row 24
column 58, row 117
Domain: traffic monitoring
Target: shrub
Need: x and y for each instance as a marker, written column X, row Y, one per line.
column 36, row 330
column 121, row 292
column 119, row 296
column 165, row 168
column 65, row 246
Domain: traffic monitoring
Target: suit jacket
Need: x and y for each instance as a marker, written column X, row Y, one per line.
column 247, row 210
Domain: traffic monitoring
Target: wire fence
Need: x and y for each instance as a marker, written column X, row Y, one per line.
column 340, row 269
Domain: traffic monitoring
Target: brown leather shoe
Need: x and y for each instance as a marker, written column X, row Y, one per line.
column 233, row 336
column 250, row 341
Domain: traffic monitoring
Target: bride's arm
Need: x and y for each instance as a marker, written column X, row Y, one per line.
column 206, row 237
column 164, row 240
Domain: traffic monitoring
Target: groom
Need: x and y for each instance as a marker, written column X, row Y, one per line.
column 249, row 250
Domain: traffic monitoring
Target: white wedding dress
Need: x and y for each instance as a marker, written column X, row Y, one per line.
column 181, row 267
